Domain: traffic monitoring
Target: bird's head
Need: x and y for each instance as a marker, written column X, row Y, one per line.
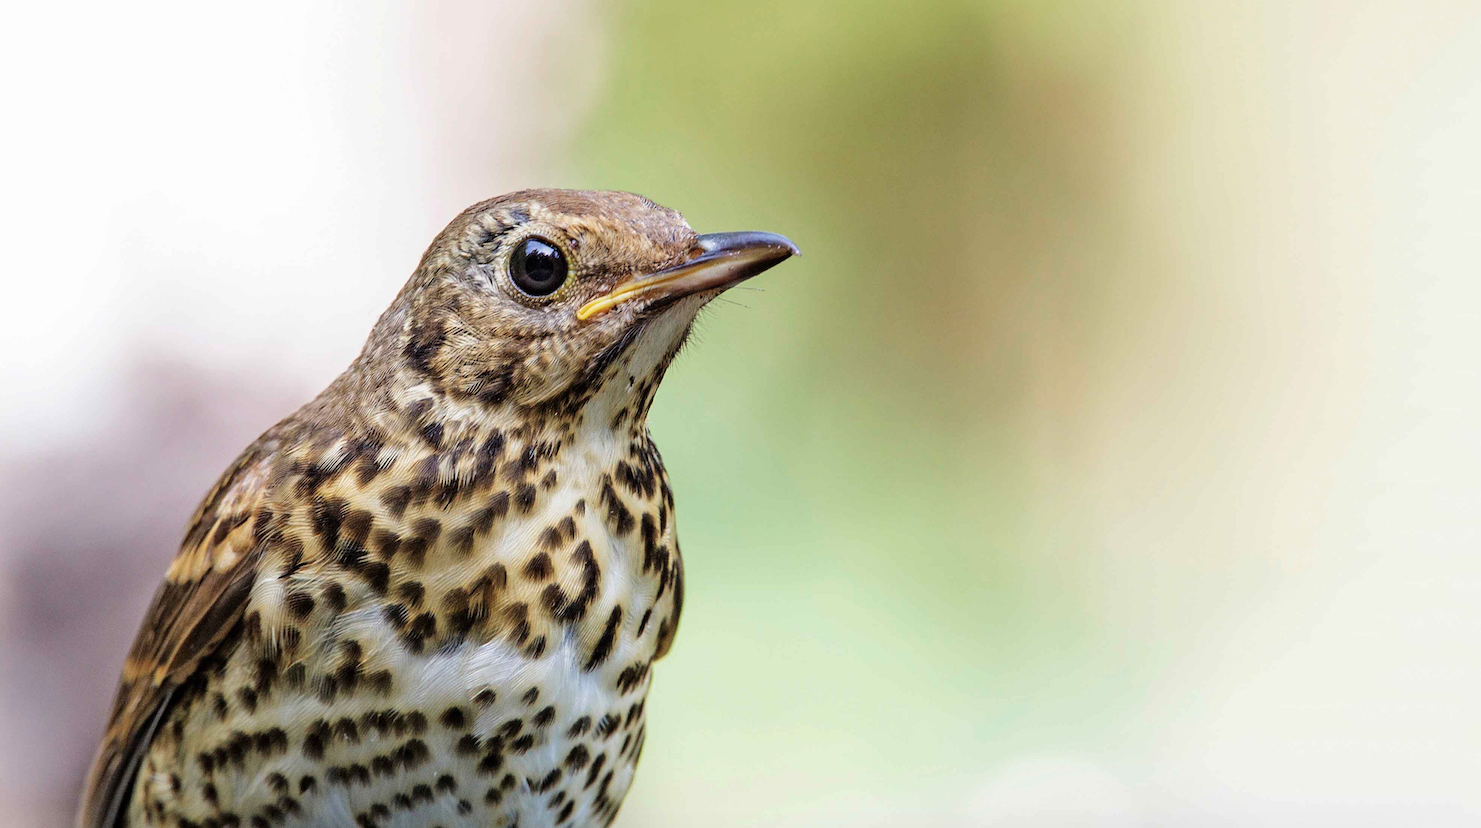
column 534, row 298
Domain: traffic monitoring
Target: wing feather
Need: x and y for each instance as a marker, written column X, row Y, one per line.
column 193, row 611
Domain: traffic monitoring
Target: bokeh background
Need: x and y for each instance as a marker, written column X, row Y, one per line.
column 1111, row 457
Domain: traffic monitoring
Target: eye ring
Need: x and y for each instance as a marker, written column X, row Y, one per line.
column 537, row 267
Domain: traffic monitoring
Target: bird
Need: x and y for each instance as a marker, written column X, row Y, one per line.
column 434, row 595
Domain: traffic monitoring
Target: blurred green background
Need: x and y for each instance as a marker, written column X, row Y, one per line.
column 1074, row 406
column 1108, row 457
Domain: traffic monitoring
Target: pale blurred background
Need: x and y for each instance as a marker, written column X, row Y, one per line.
column 1112, row 456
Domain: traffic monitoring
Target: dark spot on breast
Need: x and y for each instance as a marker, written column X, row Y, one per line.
column 596, row 770
column 422, row 628
column 539, row 568
column 411, row 592
column 427, row 529
column 313, row 747
column 395, row 499
column 483, row 519
column 618, row 515
column 299, row 604
column 413, row 754
column 577, row 758
column 377, row 575
column 385, row 543
column 461, row 541
column 265, row 675
column 349, row 555
column 648, row 530
column 603, row 646
column 524, row 498
column 490, row 764
column 395, row 615
column 328, row 516
column 414, row 550
column 366, row 469
column 334, row 596
column 487, row 458
column 347, row 676
column 631, row 677
column 357, row 525
column 553, row 600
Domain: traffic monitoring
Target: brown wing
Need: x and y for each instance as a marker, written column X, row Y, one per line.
column 198, row 604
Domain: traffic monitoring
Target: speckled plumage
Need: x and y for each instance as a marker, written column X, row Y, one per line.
column 433, row 595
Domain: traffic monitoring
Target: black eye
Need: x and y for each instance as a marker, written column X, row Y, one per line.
column 537, row 267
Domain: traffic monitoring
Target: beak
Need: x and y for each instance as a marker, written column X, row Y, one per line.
column 724, row 260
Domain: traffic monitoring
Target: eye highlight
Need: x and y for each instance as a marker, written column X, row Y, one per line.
column 537, row 267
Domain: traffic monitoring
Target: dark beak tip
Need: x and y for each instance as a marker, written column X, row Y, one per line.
column 781, row 246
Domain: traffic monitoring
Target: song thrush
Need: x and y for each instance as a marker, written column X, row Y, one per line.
column 433, row 595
